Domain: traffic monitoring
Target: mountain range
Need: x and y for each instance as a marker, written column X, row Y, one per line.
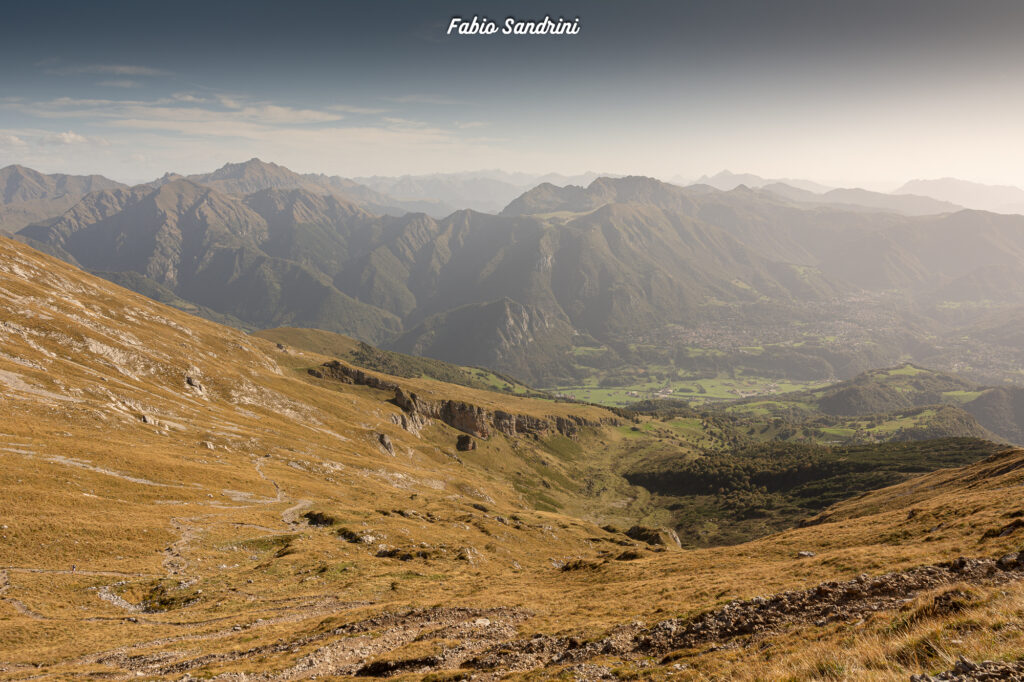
column 620, row 260
column 727, row 180
column 996, row 198
column 483, row 191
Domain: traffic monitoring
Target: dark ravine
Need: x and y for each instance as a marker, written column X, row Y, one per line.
column 471, row 419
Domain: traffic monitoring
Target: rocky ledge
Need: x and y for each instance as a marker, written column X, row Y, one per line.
column 471, row 419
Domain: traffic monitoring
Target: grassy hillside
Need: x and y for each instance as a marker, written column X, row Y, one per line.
column 905, row 402
column 233, row 514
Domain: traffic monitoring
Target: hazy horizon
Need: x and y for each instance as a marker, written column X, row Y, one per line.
column 845, row 94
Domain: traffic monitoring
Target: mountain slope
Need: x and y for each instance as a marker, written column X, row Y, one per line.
column 507, row 334
column 366, row 356
column 205, row 247
column 235, row 515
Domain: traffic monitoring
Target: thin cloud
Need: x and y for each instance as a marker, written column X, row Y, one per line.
column 349, row 109
column 67, row 137
column 421, row 99
column 396, row 122
column 111, row 69
column 170, row 112
column 123, row 83
column 186, row 97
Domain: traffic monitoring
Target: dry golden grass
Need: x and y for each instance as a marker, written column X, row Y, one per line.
column 124, row 486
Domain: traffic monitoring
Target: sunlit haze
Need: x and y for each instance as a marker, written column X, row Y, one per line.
column 849, row 93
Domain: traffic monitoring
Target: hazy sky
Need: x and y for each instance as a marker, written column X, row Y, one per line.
column 851, row 92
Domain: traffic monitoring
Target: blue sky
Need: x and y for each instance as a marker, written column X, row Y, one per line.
column 841, row 92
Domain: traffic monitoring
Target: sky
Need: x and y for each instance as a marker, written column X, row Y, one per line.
column 842, row 92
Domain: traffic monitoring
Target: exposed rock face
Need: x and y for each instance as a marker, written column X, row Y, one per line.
column 413, row 423
column 351, row 375
column 471, row 419
column 385, row 442
column 465, row 443
column 468, row 418
column 479, row 422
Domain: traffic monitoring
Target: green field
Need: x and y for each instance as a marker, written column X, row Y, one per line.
column 697, row 392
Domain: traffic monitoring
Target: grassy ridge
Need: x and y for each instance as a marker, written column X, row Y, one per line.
column 389, row 362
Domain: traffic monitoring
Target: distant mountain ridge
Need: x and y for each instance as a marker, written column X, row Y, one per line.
column 996, row 198
column 907, row 204
column 484, row 191
column 727, row 180
column 255, row 175
column 617, row 260
column 26, row 195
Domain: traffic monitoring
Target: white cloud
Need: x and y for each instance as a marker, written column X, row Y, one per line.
column 12, row 141
column 186, row 97
column 70, row 137
column 67, row 137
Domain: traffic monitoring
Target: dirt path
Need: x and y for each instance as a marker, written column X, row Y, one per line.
column 290, row 515
column 175, row 562
column 58, row 571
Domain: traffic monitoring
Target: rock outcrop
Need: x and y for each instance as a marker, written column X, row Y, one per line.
column 351, row 375
column 468, row 418
column 476, row 421
column 385, row 443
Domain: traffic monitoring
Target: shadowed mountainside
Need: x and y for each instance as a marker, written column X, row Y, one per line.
column 622, row 263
